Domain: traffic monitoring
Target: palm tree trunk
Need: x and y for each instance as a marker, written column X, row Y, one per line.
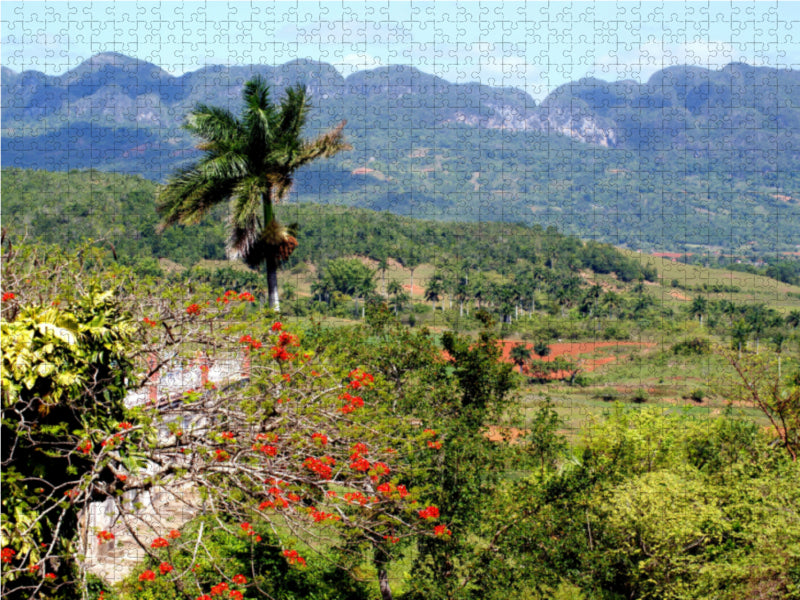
column 272, row 284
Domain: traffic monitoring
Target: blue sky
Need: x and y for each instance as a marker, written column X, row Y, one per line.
column 535, row 46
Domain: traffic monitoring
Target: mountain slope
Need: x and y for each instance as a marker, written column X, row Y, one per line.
column 691, row 159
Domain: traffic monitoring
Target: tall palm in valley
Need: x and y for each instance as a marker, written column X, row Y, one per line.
column 249, row 162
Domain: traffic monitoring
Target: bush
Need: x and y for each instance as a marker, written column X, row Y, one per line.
column 693, row 346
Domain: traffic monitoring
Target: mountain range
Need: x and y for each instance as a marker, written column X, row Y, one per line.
column 692, row 158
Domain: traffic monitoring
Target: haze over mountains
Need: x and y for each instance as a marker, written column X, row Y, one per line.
column 692, row 158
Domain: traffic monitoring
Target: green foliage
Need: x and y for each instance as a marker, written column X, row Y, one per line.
column 215, row 555
column 693, row 346
column 65, row 373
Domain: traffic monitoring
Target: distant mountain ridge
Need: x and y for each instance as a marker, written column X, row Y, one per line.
column 594, row 158
column 695, row 104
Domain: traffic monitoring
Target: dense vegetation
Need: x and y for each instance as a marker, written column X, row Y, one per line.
column 646, row 502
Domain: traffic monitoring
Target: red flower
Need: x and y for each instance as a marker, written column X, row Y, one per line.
column 159, row 542
column 441, row 530
column 277, row 326
column 227, row 435
column 147, row 576
column 236, row 595
column 435, row 445
column 430, row 512
column 8, row 296
column 391, row 538
column 85, row 447
column 7, row 555
column 123, row 478
column 246, row 297
column 204, row 597
column 361, row 464
column 105, row 536
column 50, row 576
column 174, row 534
column 165, row 568
column 239, row 579
column 124, row 425
column 359, row 449
column 320, row 437
column 193, row 309
column 293, row 557
column 149, row 322
column 219, row 589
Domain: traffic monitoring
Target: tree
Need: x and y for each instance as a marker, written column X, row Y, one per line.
column 541, row 348
column 698, row 307
column 520, row 354
column 434, row 289
column 397, row 294
column 250, row 161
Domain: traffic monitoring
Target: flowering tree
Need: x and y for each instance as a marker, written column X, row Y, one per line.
column 300, row 445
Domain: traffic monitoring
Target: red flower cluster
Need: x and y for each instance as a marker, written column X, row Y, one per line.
column 266, row 449
column 8, row 296
column 159, row 542
column 112, row 441
column 219, row 589
column 147, row 576
column 356, row 497
column 150, row 322
column 442, row 530
column 85, row 447
column 165, row 568
column 248, row 339
column 105, row 536
column 227, row 435
column 193, row 309
column 435, row 445
column 387, row 488
column 280, row 353
column 125, row 426
column 221, row 455
column 277, row 326
column 7, row 555
column 293, row 557
column 239, row 579
column 353, row 402
column 320, row 466
column 430, row 512
column 50, row 576
column 174, row 534
column 359, row 378
column 320, row 516
column 379, row 469
column 321, row 438
column 360, row 464
column 246, row 297
column 391, row 538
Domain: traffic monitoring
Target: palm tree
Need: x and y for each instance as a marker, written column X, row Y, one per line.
column 251, row 162
column 434, row 290
column 520, row 354
column 399, row 297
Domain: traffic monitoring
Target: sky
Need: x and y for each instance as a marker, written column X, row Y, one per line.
column 535, row 46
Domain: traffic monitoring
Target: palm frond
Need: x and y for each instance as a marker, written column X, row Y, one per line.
column 260, row 116
column 294, row 111
column 326, row 145
column 218, row 126
column 189, row 195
